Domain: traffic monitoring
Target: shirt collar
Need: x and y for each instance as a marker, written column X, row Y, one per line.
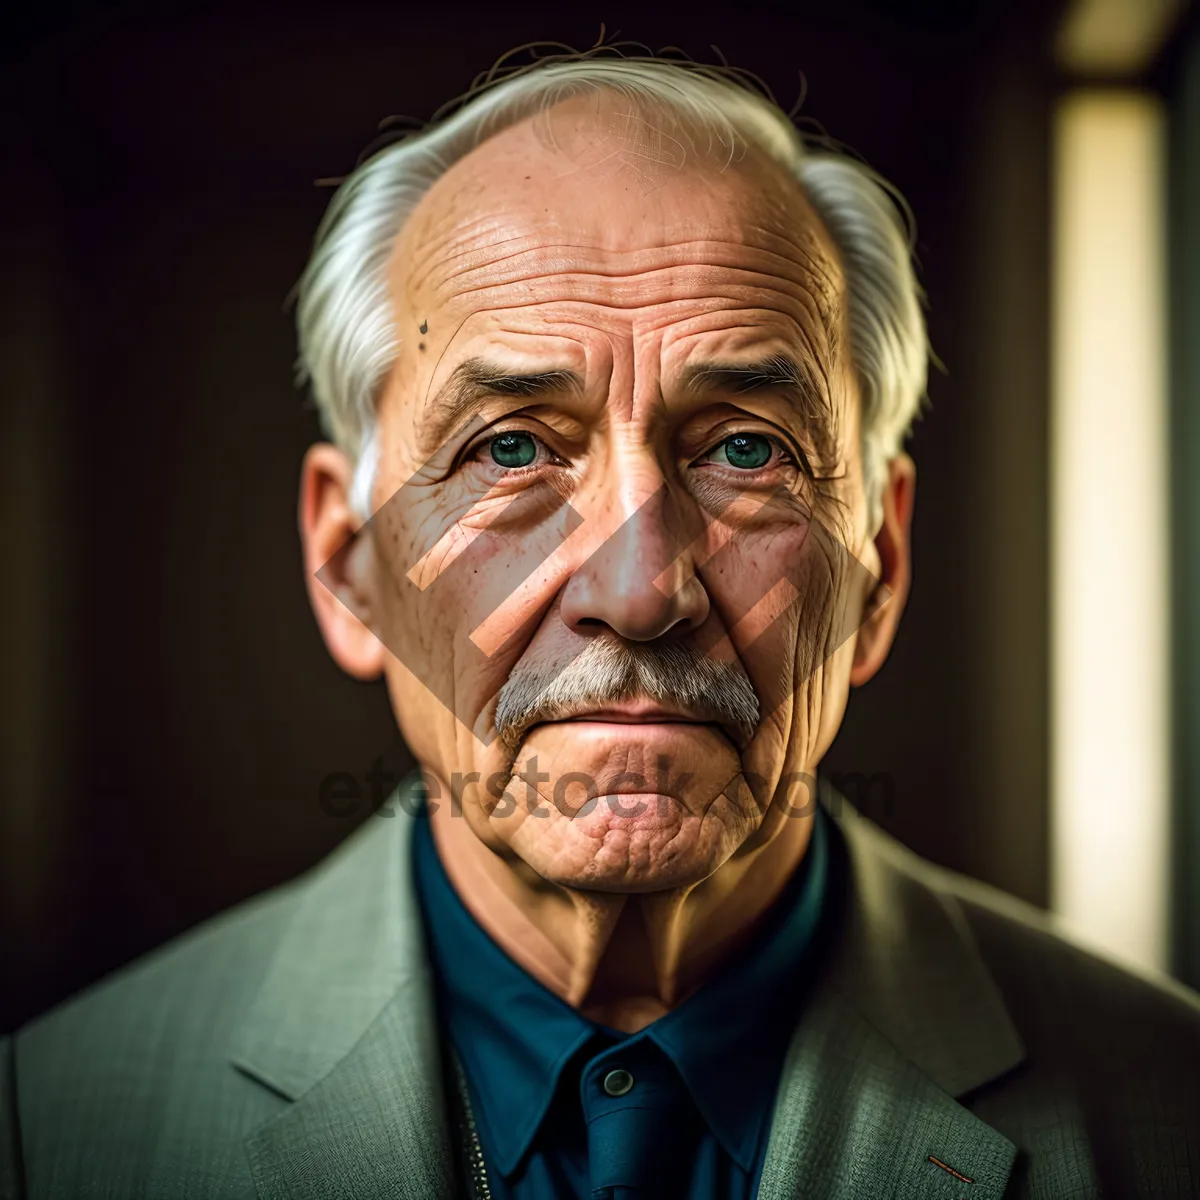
column 515, row 1036
column 737, row 1026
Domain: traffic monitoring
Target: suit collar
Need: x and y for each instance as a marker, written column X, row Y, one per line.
column 354, row 938
column 373, row 1126
column 904, row 1020
column 854, row 1117
column 344, row 1026
column 908, row 962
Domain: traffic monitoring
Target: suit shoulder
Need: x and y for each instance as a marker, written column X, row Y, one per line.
column 1031, row 952
column 204, row 969
column 1111, row 1054
column 133, row 1073
column 125, row 1038
column 1111, row 1036
column 1058, row 990
column 133, row 1086
column 206, row 974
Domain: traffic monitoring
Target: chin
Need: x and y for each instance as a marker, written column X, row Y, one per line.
column 647, row 842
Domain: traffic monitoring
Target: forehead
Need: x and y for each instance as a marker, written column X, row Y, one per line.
column 595, row 217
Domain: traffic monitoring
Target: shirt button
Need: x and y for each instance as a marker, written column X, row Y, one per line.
column 618, row 1082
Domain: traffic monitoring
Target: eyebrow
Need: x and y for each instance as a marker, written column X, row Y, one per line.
column 777, row 374
column 475, row 380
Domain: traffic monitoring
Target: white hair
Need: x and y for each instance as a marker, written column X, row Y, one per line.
column 348, row 340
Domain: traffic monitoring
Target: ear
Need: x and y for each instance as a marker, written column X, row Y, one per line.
column 893, row 544
column 338, row 563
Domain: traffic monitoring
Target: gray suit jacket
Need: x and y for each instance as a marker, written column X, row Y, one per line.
column 954, row 1047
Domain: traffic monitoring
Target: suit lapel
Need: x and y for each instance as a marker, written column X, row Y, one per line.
column 344, row 1027
column 905, row 1020
column 855, row 1117
column 373, row 1127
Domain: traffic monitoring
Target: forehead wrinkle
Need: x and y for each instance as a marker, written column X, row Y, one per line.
column 750, row 309
column 795, row 257
column 423, row 265
column 790, row 248
column 799, row 262
column 633, row 289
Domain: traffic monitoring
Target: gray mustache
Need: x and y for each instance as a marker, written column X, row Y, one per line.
column 609, row 670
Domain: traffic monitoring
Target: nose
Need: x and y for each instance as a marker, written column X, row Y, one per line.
column 641, row 581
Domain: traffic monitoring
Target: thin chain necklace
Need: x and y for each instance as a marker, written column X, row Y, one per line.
column 476, row 1169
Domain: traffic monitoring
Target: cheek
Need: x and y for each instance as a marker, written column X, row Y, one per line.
column 835, row 693
column 780, row 594
column 773, row 593
column 459, row 601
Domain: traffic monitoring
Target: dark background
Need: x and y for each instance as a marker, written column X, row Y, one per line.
column 168, row 708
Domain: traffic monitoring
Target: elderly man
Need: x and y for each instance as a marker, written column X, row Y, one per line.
column 617, row 374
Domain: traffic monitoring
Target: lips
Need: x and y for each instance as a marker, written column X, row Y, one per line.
column 649, row 712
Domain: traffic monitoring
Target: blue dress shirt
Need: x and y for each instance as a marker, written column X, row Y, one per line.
column 566, row 1107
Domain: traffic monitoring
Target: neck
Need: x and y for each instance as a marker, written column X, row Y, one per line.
column 621, row 959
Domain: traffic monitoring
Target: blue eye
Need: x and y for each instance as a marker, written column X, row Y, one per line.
column 513, row 449
column 747, row 451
